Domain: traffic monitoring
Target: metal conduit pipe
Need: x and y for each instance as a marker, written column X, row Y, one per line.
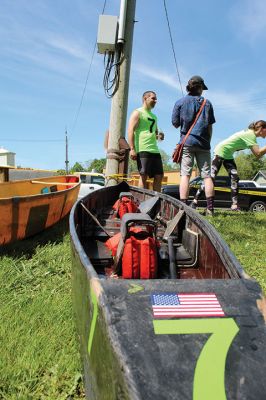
column 172, row 258
column 122, row 21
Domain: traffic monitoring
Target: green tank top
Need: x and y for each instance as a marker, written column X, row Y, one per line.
column 145, row 133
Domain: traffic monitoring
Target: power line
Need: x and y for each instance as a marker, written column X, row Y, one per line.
column 172, row 44
column 86, row 81
column 32, row 140
column 83, row 93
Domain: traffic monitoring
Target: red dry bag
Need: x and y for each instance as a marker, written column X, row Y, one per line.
column 139, row 259
column 125, row 205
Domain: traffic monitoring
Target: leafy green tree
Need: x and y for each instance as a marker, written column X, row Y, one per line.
column 61, row 172
column 97, row 164
column 77, row 167
column 168, row 165
column 132, row 166
column 248, row 165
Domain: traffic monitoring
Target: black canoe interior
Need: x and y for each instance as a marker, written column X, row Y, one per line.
column 200, row 253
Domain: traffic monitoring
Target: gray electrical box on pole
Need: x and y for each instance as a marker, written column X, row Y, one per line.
column 107, row 33
column 118, row 117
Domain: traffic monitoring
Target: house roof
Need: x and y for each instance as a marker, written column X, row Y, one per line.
column 5, row 151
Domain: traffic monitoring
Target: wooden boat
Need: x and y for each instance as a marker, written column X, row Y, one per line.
column 30, row 206
column 135, row 342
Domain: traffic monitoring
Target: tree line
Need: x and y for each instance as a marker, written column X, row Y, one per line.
column 247, row 165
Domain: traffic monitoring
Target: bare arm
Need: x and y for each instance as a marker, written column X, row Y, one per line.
column 133, row 123
column 257, row 151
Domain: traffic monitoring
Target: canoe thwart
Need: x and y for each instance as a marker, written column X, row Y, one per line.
column 55, row 183
column 149, row 206
column 173, row 224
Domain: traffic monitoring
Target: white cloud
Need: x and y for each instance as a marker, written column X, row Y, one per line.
column 67, row 47
column 161, row 76
column 239, row 103
column 249, row 19
column 242, row 104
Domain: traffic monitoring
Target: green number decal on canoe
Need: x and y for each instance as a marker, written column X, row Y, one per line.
column 210, row 367
column 94, row 318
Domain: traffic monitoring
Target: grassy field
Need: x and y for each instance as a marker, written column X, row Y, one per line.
column 39, row 352
column 245, row 234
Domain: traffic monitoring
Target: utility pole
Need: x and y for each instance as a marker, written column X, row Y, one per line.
column 118, row 117
column 67, row 162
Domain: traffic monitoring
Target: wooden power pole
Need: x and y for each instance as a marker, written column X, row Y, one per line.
column 118, row 117
column 66, row 162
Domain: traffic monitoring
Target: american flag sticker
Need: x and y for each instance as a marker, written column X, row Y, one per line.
column 186, row 305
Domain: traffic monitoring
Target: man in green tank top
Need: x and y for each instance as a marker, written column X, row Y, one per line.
column 142, row 137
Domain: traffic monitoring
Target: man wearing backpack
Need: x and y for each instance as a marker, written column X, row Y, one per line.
column 142, row 137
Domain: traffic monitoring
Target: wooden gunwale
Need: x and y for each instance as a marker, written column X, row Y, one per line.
column 124, row 357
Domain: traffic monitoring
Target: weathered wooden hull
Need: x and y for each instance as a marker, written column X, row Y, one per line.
column 28, row 207
column 128, row 353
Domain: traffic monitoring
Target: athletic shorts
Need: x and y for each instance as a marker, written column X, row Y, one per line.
column 149, row 164
column 203, row 158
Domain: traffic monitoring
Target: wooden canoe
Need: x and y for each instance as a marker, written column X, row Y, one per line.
column 30, row 206
column 131, row 351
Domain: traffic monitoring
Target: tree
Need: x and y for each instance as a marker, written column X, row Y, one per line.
column 168, row 165
column 77, row 167
column 132, row 166
column 97, row 164
column 248, row 165
column 61, row 172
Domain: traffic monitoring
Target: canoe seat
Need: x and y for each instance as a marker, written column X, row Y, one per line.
column 187, row 252
column 150, row 206
column 98, row 253
column 173, row 224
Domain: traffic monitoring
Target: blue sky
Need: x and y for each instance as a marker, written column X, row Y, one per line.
column 46, row 48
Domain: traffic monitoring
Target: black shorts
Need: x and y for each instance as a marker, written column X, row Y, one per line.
column 149, row 164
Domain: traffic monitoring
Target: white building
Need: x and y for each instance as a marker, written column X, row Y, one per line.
column 7, row 157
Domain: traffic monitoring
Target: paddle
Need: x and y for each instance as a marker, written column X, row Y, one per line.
column 95, row 219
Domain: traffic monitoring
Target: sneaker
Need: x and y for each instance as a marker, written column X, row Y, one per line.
column 209, row 213
column 193, row 205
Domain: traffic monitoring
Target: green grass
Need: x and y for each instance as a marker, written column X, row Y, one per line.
column 39, row 351
column 245, row 234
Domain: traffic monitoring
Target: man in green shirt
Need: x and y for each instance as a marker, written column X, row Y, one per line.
column 224, row 155
column 142, row 138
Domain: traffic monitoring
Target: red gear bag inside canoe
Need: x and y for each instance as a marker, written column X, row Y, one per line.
column 139, row 257
column 125, row 205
